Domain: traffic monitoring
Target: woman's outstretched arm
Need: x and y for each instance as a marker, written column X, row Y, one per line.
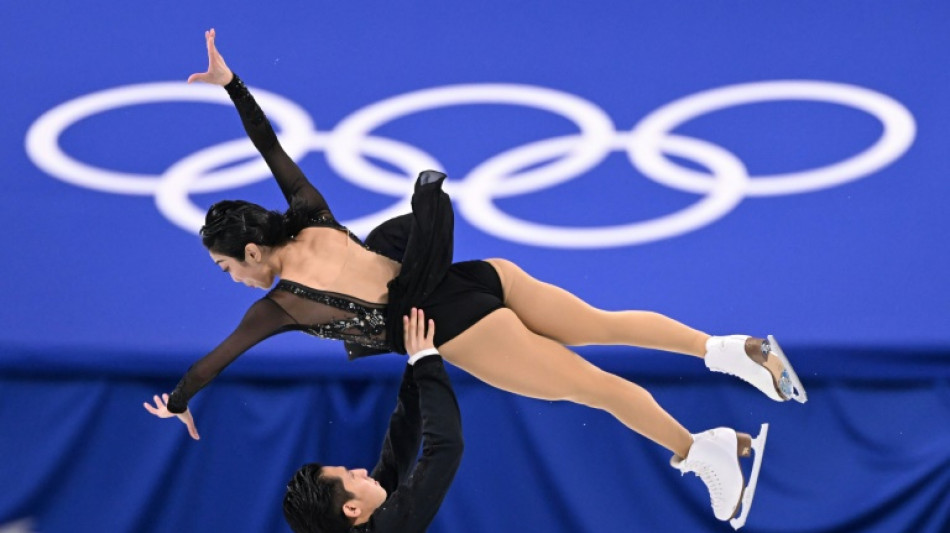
column 298, row 191
column 263, row 319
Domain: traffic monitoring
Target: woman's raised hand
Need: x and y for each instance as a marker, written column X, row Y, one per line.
column 160, row 409
column 218, row 71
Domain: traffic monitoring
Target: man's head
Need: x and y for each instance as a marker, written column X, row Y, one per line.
column 328, row 499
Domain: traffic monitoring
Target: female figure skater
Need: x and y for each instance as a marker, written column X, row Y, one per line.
column 494, row 320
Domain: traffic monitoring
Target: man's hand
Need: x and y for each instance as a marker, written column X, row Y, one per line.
column 160, row 409
column 414, row 332
column 218, row 72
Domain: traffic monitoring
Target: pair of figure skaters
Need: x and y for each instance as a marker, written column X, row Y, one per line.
column 399, row 291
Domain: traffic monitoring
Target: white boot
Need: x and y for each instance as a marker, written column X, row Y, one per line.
column 714, row 457
column 728, row 355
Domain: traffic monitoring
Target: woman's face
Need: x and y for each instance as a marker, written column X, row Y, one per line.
column 253, row 271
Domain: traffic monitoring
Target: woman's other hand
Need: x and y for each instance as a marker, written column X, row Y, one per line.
column 160, row 409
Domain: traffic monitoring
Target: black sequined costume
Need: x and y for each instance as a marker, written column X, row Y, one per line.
column 454, row 295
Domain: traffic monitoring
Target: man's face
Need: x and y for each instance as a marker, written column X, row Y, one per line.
column 367, row 493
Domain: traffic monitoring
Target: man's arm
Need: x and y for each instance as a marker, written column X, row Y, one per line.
column 401, row 444
column 414, row 503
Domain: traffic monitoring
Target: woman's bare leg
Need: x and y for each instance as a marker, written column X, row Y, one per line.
column 502, row 352
column 557, row 314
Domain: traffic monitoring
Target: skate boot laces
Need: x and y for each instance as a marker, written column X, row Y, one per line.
column 710, row 478
column 713, row 459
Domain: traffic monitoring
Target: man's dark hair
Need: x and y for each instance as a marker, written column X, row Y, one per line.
column 313, row 502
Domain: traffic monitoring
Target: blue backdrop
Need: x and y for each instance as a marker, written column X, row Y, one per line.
column 743, row 167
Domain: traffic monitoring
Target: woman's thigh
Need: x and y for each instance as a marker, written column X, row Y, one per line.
column 551, row 311
column 502, row 352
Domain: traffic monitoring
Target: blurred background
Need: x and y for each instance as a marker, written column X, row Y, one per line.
column 744, row 167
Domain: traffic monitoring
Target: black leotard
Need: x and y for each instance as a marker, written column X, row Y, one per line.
column 454, row 295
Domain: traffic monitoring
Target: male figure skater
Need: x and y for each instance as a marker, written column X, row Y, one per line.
column 396, row 497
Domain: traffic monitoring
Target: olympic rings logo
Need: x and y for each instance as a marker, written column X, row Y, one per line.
column 521, row 170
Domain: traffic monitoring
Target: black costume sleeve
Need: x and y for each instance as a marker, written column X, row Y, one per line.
column 401, row 444
column 299, row 192
column 264, row 319
column 417, row 498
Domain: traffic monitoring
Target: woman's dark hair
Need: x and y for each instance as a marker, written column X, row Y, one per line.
column 231, row 224
column 313, row 503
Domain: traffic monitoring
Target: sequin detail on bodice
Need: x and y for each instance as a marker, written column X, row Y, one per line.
column 362, row 322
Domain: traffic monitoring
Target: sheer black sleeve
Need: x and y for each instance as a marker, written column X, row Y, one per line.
column 264, row 319
column 414, row 503
column 298, row 191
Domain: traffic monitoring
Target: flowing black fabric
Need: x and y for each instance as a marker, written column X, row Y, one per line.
column 425, row 239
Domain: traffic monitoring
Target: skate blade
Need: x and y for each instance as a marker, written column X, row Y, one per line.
column 758, row 446
column 800, row 396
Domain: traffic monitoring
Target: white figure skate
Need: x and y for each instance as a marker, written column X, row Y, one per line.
column 728, row 355
column 714, row 457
